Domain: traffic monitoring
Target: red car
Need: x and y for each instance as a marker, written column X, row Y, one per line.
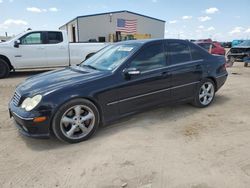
column 212, row 47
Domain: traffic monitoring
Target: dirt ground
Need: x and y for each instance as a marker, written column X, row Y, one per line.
column 178, row 146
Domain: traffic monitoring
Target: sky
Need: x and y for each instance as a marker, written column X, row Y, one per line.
column 221, row 20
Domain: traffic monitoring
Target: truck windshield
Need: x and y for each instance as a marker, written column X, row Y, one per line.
column 245, row 43
column 110, row 57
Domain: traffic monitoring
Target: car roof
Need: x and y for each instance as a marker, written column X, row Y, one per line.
column 144, row 41
column 203, row 42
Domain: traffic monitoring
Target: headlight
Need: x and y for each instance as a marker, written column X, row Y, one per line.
column 30, row 103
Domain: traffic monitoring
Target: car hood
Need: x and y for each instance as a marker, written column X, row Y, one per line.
column 54, row 80
column 2, row 43
column 5, row 44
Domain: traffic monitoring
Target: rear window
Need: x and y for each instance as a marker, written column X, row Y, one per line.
column 179, row 52
column 196, row 53
column 206, row 46
column 54, row 37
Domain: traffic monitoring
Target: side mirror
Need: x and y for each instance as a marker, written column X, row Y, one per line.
column 128, row 72
column 17, row 43
column 88, row 56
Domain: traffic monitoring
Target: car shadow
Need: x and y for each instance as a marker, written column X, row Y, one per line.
column 168, row 113
column 220, row 100
column 43, row 144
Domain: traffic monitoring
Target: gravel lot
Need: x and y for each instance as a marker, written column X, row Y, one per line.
column 177, row 146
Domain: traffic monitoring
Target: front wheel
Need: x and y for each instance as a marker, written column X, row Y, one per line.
column 76, row 121
column 204, row 94
column 4, row 69
column 231, row 61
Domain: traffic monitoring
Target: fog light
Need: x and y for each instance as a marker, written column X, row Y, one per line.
column 39, row 119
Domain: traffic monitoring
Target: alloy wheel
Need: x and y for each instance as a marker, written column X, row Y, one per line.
column 77, row 122
column 206, row 93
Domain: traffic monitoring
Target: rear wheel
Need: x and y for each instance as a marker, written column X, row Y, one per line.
column 4, row 69
column 76, row 121
column 204, row 94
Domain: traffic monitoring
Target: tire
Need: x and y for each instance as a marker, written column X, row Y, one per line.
column 208, row 95
column 231, row 61
column 4, row 69
column 76, row 121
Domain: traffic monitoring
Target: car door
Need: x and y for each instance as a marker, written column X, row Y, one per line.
column 185, row 71
column 31, row 51
column 56, row 48
column 146, row 89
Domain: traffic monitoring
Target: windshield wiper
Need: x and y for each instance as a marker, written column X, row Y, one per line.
column 90, row 66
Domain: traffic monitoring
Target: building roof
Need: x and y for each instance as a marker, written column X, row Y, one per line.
column 114, row 12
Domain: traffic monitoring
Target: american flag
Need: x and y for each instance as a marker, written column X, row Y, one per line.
column 126, row 26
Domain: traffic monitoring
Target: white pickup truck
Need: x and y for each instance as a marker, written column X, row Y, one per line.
column 43, row 49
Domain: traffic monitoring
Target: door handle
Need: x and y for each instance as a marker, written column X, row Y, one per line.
column 40, row 48
column 62, row 47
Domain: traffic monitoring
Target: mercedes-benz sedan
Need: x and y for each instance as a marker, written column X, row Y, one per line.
column 121, row 79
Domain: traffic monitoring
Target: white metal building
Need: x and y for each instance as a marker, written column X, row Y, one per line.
column 113, row 26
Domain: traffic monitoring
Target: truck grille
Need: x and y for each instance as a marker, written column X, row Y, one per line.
column 16, row 99
column 237, row 50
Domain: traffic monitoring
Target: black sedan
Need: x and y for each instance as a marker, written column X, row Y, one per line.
column 121, row 79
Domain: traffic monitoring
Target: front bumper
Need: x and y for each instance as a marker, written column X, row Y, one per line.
column 236, row 57
column 24, row 122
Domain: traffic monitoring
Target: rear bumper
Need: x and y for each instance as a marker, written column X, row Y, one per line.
column 27, row 126
column 220, row 80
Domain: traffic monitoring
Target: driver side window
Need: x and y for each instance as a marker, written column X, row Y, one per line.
column 32, row 38
column 150, row 58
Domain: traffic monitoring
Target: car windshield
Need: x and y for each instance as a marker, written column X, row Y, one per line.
column 110, row 57
column 245, row 43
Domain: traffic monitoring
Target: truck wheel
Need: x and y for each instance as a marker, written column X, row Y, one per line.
column 231, row 61
column 76, row 121
column 4, row 69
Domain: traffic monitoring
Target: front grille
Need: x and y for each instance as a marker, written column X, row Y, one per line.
column 237, row 50
column 16, row 99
